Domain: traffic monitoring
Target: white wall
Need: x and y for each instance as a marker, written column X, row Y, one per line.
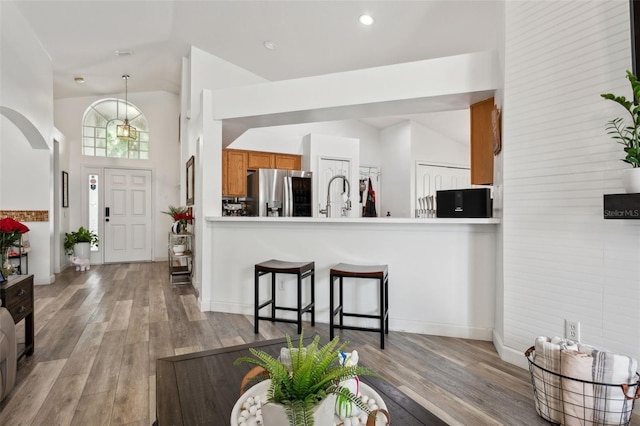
column 562, row 260
column 26, row 85
column 429, row 146
column 162, row 111
column 441, row 275
column 288, row 138
column 323, row 147
column 207, row 71
column 395, row 142
column 433, row 147
column 202, row 137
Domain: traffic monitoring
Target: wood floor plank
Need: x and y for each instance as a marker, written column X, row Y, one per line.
column 157, row 305
column 107, row 305
column 51, row 309
column 232, row 341
column 40, row 303
column 138, row 328
column 65, row 341
column 131, row 403
column 49, row 336
column 85, row 351
column 160, row 343
column 188, row 350
column 31, row 394
column 109, row 325
column 94, row 297
column 94, row 409
column 106, row 366
column 152, row 398
column 76, row 300
column 60, row 406
column 191, row 307
column 121, row 315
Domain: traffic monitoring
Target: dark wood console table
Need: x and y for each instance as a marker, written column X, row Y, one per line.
column 201, row 388
column 17, row 296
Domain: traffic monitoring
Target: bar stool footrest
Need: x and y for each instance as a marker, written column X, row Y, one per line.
column 345, row 314
column 292, row 321
column 267, row 303
column 355, row 327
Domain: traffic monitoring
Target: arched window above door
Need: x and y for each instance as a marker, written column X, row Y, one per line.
column 99, row 130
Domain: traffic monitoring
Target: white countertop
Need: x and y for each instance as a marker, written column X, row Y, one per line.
column 361, row 220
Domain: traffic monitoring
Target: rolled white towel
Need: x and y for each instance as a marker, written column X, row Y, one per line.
column 577, row 396
column 611, row 406
column 548, row 386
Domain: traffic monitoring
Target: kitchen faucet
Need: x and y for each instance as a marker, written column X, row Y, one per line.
column 327, row 210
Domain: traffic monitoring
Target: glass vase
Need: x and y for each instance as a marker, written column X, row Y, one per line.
column 6, row 263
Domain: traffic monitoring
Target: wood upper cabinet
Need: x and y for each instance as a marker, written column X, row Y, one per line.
column 225, row 172
column 236, row 173
column 236, row 163
column 273, row 160
column 287, row 161
column 482, row 143
column 260, row 160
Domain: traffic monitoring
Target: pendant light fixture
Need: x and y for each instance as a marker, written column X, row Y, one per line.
column 126, row 131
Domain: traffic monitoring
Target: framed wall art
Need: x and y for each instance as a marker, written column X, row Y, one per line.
column 65, row 189
column 190, row 180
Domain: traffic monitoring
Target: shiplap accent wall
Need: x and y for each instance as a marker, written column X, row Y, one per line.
column 561, row 258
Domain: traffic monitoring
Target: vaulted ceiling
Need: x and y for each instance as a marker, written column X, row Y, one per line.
column 311, row 37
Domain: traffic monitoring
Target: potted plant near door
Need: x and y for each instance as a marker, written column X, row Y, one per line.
column 78, row 243
column 627, row 134
column 304, row 384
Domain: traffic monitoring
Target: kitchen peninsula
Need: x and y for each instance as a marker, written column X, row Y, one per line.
column 441, row 271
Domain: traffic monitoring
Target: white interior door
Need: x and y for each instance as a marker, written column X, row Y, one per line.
column 128, row 219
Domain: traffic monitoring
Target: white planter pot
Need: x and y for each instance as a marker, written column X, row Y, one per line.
column 323, row 413
column 82, row 250
column 274, row 414
column 178, row 249
column 631, row 180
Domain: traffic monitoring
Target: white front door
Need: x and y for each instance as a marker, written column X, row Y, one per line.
column 128, row 220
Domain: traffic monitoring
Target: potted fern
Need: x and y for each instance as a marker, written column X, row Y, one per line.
column 304, row 383
column 628, row 134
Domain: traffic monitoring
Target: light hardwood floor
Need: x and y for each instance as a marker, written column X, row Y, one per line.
column 98, row 334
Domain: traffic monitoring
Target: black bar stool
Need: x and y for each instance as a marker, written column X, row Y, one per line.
column 273, row 267
column 345, row 270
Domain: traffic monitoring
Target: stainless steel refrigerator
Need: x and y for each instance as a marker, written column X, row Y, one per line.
column 277, row 192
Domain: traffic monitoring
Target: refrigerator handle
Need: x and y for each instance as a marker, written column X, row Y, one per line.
column 288, row 210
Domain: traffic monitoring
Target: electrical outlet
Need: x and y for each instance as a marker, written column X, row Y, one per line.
column 572, row 330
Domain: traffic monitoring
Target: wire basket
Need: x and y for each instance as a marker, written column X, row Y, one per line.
column 570, row 401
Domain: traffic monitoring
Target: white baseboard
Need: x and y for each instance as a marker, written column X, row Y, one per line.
column 508, row 354
column 417, row 327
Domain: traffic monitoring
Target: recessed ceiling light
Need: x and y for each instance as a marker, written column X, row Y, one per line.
column 366, row 19
column 126, row 52
column 270, row 45
column 78, row 79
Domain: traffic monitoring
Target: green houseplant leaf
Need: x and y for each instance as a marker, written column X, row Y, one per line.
column 314, row 374
column 627, row 134
column 82, row 235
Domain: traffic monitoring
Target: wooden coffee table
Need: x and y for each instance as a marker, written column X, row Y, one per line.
column 201, row 388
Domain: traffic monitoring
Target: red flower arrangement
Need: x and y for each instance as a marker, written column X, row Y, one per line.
column 10, row 232
column 182, row 217
column 179, row 214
